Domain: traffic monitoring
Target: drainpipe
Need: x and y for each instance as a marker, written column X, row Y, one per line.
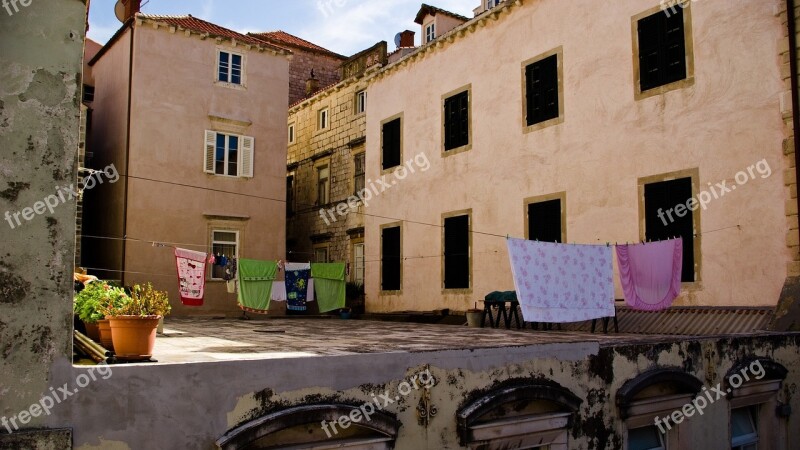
column 790, row 19
column 127, row 156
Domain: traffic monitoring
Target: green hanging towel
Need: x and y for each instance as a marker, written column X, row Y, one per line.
column 255, row 284
column 329, row 285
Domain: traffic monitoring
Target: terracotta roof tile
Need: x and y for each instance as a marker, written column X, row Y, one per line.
column 201, row 26
column 282, row 38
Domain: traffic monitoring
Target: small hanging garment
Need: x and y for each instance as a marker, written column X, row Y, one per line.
column 191, row 276
column 651, row 273
column 329, row 285
column 559, row 283
column 255, row 284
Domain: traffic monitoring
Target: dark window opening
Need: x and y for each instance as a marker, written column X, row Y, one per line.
column 456, row 253
column 456, row 121
column 88, row 93
column 391, row 144
column 360, row 170
column 662, row 49
column 663, row 222
column 390, row 259
column 541, row 90
column 290, row 195
column 544, row 221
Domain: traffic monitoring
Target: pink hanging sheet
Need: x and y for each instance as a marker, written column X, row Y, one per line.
column 191, row 275
column 651, row 273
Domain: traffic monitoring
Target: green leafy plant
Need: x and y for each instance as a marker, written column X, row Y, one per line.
column 92, row 301
column 354, row 291
column 144, row 301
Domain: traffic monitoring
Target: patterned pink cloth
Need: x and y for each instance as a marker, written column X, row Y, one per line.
column 651, row 273
column 192, row 276
column 561, row 283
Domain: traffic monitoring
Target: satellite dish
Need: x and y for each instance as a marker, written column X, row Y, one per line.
column 397, row 39
column 119, row 11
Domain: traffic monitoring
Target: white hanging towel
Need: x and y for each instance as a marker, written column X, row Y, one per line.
column 560, row 283
column 279, row 287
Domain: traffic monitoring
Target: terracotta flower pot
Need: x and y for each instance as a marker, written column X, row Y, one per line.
column 93, row 331
column 105, row 334
column 134, row 336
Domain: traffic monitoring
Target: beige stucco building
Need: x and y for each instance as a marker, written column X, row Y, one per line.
column 194, row 115
column 576, row 132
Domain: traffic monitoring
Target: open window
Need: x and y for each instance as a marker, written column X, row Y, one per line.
column 527, row 416
column 757, row 414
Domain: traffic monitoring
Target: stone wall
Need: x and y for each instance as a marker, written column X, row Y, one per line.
column 326, row 70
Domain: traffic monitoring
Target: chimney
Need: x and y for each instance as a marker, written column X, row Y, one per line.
column 131, row 7
column 406, row 39
column 312, row 85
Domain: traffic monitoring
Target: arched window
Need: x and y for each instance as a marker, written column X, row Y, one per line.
column 757, row 416
column 324, row 426
column 529, row 416
column 652, row 407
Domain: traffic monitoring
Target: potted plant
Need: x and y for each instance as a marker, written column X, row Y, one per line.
column 88, row 306
column 134, row 323
column 354, row 292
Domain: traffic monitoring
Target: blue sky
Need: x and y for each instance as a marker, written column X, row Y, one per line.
column 343, row 26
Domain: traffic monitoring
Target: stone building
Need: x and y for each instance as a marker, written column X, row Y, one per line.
column 580, row 129
column 307, row 57
column 326, row 169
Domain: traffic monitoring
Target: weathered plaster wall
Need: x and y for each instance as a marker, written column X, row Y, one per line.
column 728, row 120
column 40, row 67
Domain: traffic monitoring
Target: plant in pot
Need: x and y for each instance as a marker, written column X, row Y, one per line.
column 134, row 324
column 354, row 293
column 89, row 305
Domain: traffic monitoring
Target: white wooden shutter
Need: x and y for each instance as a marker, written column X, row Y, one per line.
column 246, row 166
column 210, row 150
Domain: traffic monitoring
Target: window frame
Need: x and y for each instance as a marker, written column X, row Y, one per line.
column 470, row 227
column 430, row 32
column 400, row 117
column 558, row 52
column 688, row 49
column 229, row 84
column 694, row 175
column 751, row 438
column 361, row 102
column 662, row 438
column 382, row 291
column 561, row 196
column 363, row 268
column 319, row 168
column 213, row 228
column 326, row 247
column 290, row 194
column 292, row 133
column 362, row 155
column 443, row 129
column 244, row 153
column 323, row 119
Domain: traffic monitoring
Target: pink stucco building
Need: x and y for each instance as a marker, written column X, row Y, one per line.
column 193, row 116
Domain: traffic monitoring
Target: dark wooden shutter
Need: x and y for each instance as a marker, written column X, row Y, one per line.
column 391, row 144
column 664, row 197
column 390, row 259
column 662, row 49
column 456, row 253
column 456, row 123
column 544, row 221
column 541, row 90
